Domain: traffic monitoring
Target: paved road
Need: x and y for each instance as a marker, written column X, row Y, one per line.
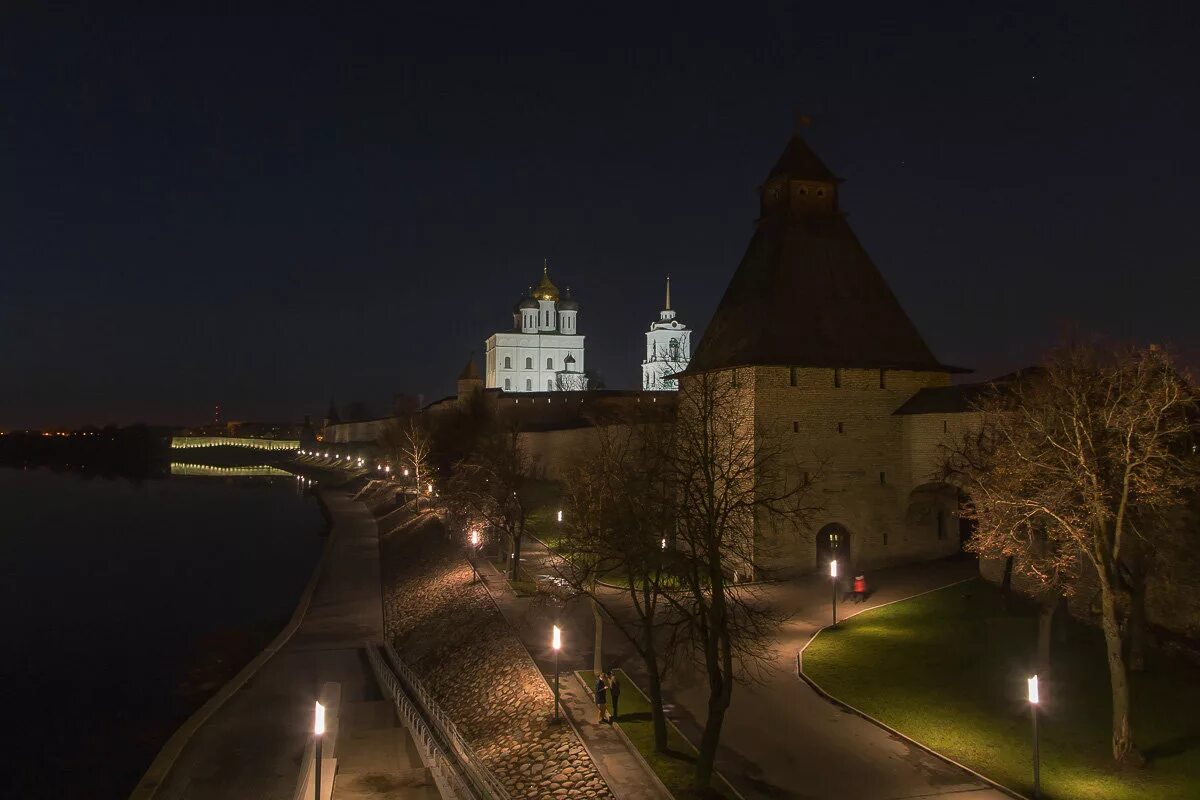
column 782, row 740
column 252, row 746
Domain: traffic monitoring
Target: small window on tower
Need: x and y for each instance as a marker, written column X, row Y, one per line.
column 795, row 427
column 528, row 363
column 528, row 384
column 945, row 426
column 508, row 362
column 841, row 427
column 883, row 379
column 794, row 376
column 837, row 379
column 882, row 478
column 507, row 384
column 549, row 363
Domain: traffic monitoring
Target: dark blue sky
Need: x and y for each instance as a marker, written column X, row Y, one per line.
column 266, row 211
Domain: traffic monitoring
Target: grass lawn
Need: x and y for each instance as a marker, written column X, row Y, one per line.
column 673, row 768
column 949, row 668
column 524, row 586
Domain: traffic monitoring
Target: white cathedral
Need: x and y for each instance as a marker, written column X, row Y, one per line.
column 668, row 350
column 544, row 350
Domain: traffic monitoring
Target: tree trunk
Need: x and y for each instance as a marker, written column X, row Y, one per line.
column 1064, row 616
column 1122, row 730
column 1006, row 583
column 1137, row 626
column 598, row 637
column 657, row 715
column 515, row 567
column 1045, row 627
column 707, row 755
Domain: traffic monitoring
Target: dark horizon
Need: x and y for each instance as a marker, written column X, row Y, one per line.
column 267, row 212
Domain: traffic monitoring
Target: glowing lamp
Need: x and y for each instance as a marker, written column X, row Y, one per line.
column 664, row 544
column 430, row 489
column 1033, row 690
column 319, row 719
column 406, row 473
column 833, row 568
column 560, row 515
column 556, row 641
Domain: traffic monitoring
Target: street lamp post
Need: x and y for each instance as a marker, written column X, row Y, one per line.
column 1037, row 767
column 474, row 547
column 318, row 734
column 556, row 643
column 833, row 581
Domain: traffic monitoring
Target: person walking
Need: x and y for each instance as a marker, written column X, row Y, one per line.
column 860, row 588
column 601, row 699
column 614, row 689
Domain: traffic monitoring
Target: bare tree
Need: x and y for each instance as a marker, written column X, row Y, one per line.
column 1075, row 465
column 619, row 526
column 408, row 447
column 492, row 485
column 733, row 494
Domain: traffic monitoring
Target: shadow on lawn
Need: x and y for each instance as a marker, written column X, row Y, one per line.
column 1172, row 747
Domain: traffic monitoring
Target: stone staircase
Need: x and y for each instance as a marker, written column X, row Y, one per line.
column 376, row 757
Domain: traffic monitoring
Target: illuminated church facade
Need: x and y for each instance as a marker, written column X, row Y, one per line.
column 543, row 351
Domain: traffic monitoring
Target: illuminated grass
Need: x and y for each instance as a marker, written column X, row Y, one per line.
column 948, row 669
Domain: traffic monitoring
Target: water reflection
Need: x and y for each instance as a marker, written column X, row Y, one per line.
column 210, row 471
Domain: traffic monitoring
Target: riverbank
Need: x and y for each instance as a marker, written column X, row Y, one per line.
column 251, row 742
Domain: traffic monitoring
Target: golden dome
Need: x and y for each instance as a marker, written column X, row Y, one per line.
column 546, row 290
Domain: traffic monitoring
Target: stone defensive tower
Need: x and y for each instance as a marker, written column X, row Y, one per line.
column 809, row 324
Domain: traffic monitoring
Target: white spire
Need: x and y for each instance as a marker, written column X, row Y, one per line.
column 668, row 291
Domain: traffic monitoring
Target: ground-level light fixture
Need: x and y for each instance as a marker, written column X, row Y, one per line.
column 474, row 539
column 560, row 515
column 1034, row 699
column 318, row 732
column 429, row 490
column 833, row 580
column 664, row 543
column 556, row 643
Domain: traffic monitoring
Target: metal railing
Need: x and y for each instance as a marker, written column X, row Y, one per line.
column 450, row 783
column 479, row 775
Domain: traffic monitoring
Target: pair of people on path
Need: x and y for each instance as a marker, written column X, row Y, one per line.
column 607, row 684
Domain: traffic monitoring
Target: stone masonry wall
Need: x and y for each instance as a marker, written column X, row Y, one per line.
column 848, row 435
column 448, row 630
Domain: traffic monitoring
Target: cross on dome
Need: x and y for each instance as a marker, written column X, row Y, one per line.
column 546, row 290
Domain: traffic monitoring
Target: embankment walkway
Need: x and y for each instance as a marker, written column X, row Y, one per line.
column 249, row 740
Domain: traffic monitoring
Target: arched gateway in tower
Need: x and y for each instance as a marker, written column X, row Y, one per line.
column 543, row 352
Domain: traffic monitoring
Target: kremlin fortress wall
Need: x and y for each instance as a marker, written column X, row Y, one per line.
column 828, row 361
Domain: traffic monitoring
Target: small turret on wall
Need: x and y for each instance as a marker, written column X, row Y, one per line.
column 470, row 382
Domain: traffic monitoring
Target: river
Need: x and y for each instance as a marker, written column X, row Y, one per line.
column 126, row 605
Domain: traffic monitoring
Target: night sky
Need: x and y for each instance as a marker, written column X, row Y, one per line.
column 269, row 211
